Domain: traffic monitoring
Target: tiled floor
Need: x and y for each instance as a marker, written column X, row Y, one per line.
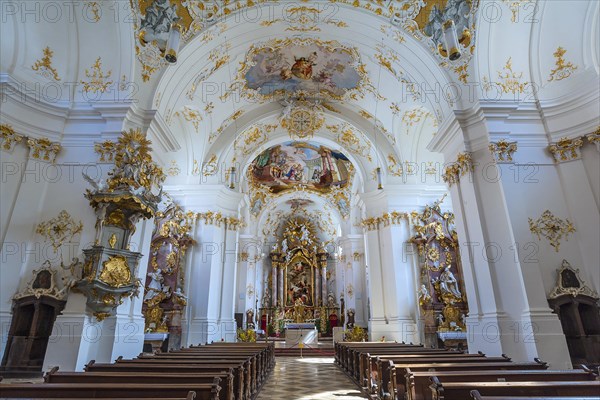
column 309, row 378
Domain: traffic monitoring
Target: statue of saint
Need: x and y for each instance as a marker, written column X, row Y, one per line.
column 156, row 287
column 449, row 284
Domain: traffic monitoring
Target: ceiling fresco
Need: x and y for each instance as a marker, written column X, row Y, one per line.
column 305, row 66
column 307, row 164
column 423, row 19
column 302, row 67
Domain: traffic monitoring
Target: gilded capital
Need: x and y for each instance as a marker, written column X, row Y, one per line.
column 9, row 137
column 44, row 149
column 503, row 150
column 566, row 149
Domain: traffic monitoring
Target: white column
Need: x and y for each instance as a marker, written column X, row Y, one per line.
column 508, row 311
column 227, row 325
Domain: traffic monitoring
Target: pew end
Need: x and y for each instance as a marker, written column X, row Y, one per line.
column 86, row 366
column 191, row 395
column 537, row 360
column 475, row 395
column 51, row 372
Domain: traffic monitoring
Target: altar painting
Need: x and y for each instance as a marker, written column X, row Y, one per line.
column 299, row 283
column 289, row 164
column 291, row 66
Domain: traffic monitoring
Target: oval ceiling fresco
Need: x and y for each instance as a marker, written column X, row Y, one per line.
column 290, row 164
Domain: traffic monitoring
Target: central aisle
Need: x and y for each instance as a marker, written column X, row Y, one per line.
column 310, row 378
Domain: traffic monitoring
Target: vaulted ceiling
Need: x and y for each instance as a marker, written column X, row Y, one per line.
column 382, row 82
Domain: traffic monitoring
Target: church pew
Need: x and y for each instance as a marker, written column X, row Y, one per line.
column 261, row 365
column 351, row 355
column 359, row 360
column 190, row 396
column 359, row 366
column 398, row 371
column 265, row 354
column 378, row 364
column 226, row 393
column 462, row 390
column 477, row 396
column 248, row 361
column 418, row 382
column 108, row 390
column 347, row 352
column 267, row 348
column 341, row 349
column 380, row 370
column 241, row 382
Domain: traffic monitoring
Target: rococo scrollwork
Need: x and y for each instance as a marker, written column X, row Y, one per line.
column 552, row 228
column 59, row 229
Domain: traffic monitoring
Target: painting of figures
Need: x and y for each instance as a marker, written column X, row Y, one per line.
column 289, row 164
column 308, row 67
column 299, row 288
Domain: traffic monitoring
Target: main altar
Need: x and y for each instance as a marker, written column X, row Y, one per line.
column 297, row 298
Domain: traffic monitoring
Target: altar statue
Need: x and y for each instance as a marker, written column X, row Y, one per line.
column 449, row 284
column 424, row 296
column 284, row 246
column 156, row 291
column 305, row 234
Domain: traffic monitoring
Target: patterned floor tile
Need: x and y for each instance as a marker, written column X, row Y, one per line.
column 314, row 378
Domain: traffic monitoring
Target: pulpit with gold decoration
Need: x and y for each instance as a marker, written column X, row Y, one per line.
column 130, row 194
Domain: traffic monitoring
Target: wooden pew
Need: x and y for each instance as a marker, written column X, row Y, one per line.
column 418, row 382
column 366, row 359
column 108, row 390
column 262, row 357
column 381, row 370
column 462, row 390
column 398, row 372
column 257, row 370
column 249, row 361
column 226, row 393
column 190, row 396
column 477, row 396
column 241, row 383
column 349, row 351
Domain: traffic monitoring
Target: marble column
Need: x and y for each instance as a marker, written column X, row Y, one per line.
column 274, row 279
column 317, row 287
column 280, row 284
column 324, row 282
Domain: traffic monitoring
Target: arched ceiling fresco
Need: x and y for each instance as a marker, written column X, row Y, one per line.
column 308, row 164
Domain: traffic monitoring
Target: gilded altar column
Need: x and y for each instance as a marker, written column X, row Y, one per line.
column 317, row 287
column 280, row 283
column 274, row 278
column 324, row 281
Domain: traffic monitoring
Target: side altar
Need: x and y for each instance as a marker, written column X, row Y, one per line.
column 297, row 294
